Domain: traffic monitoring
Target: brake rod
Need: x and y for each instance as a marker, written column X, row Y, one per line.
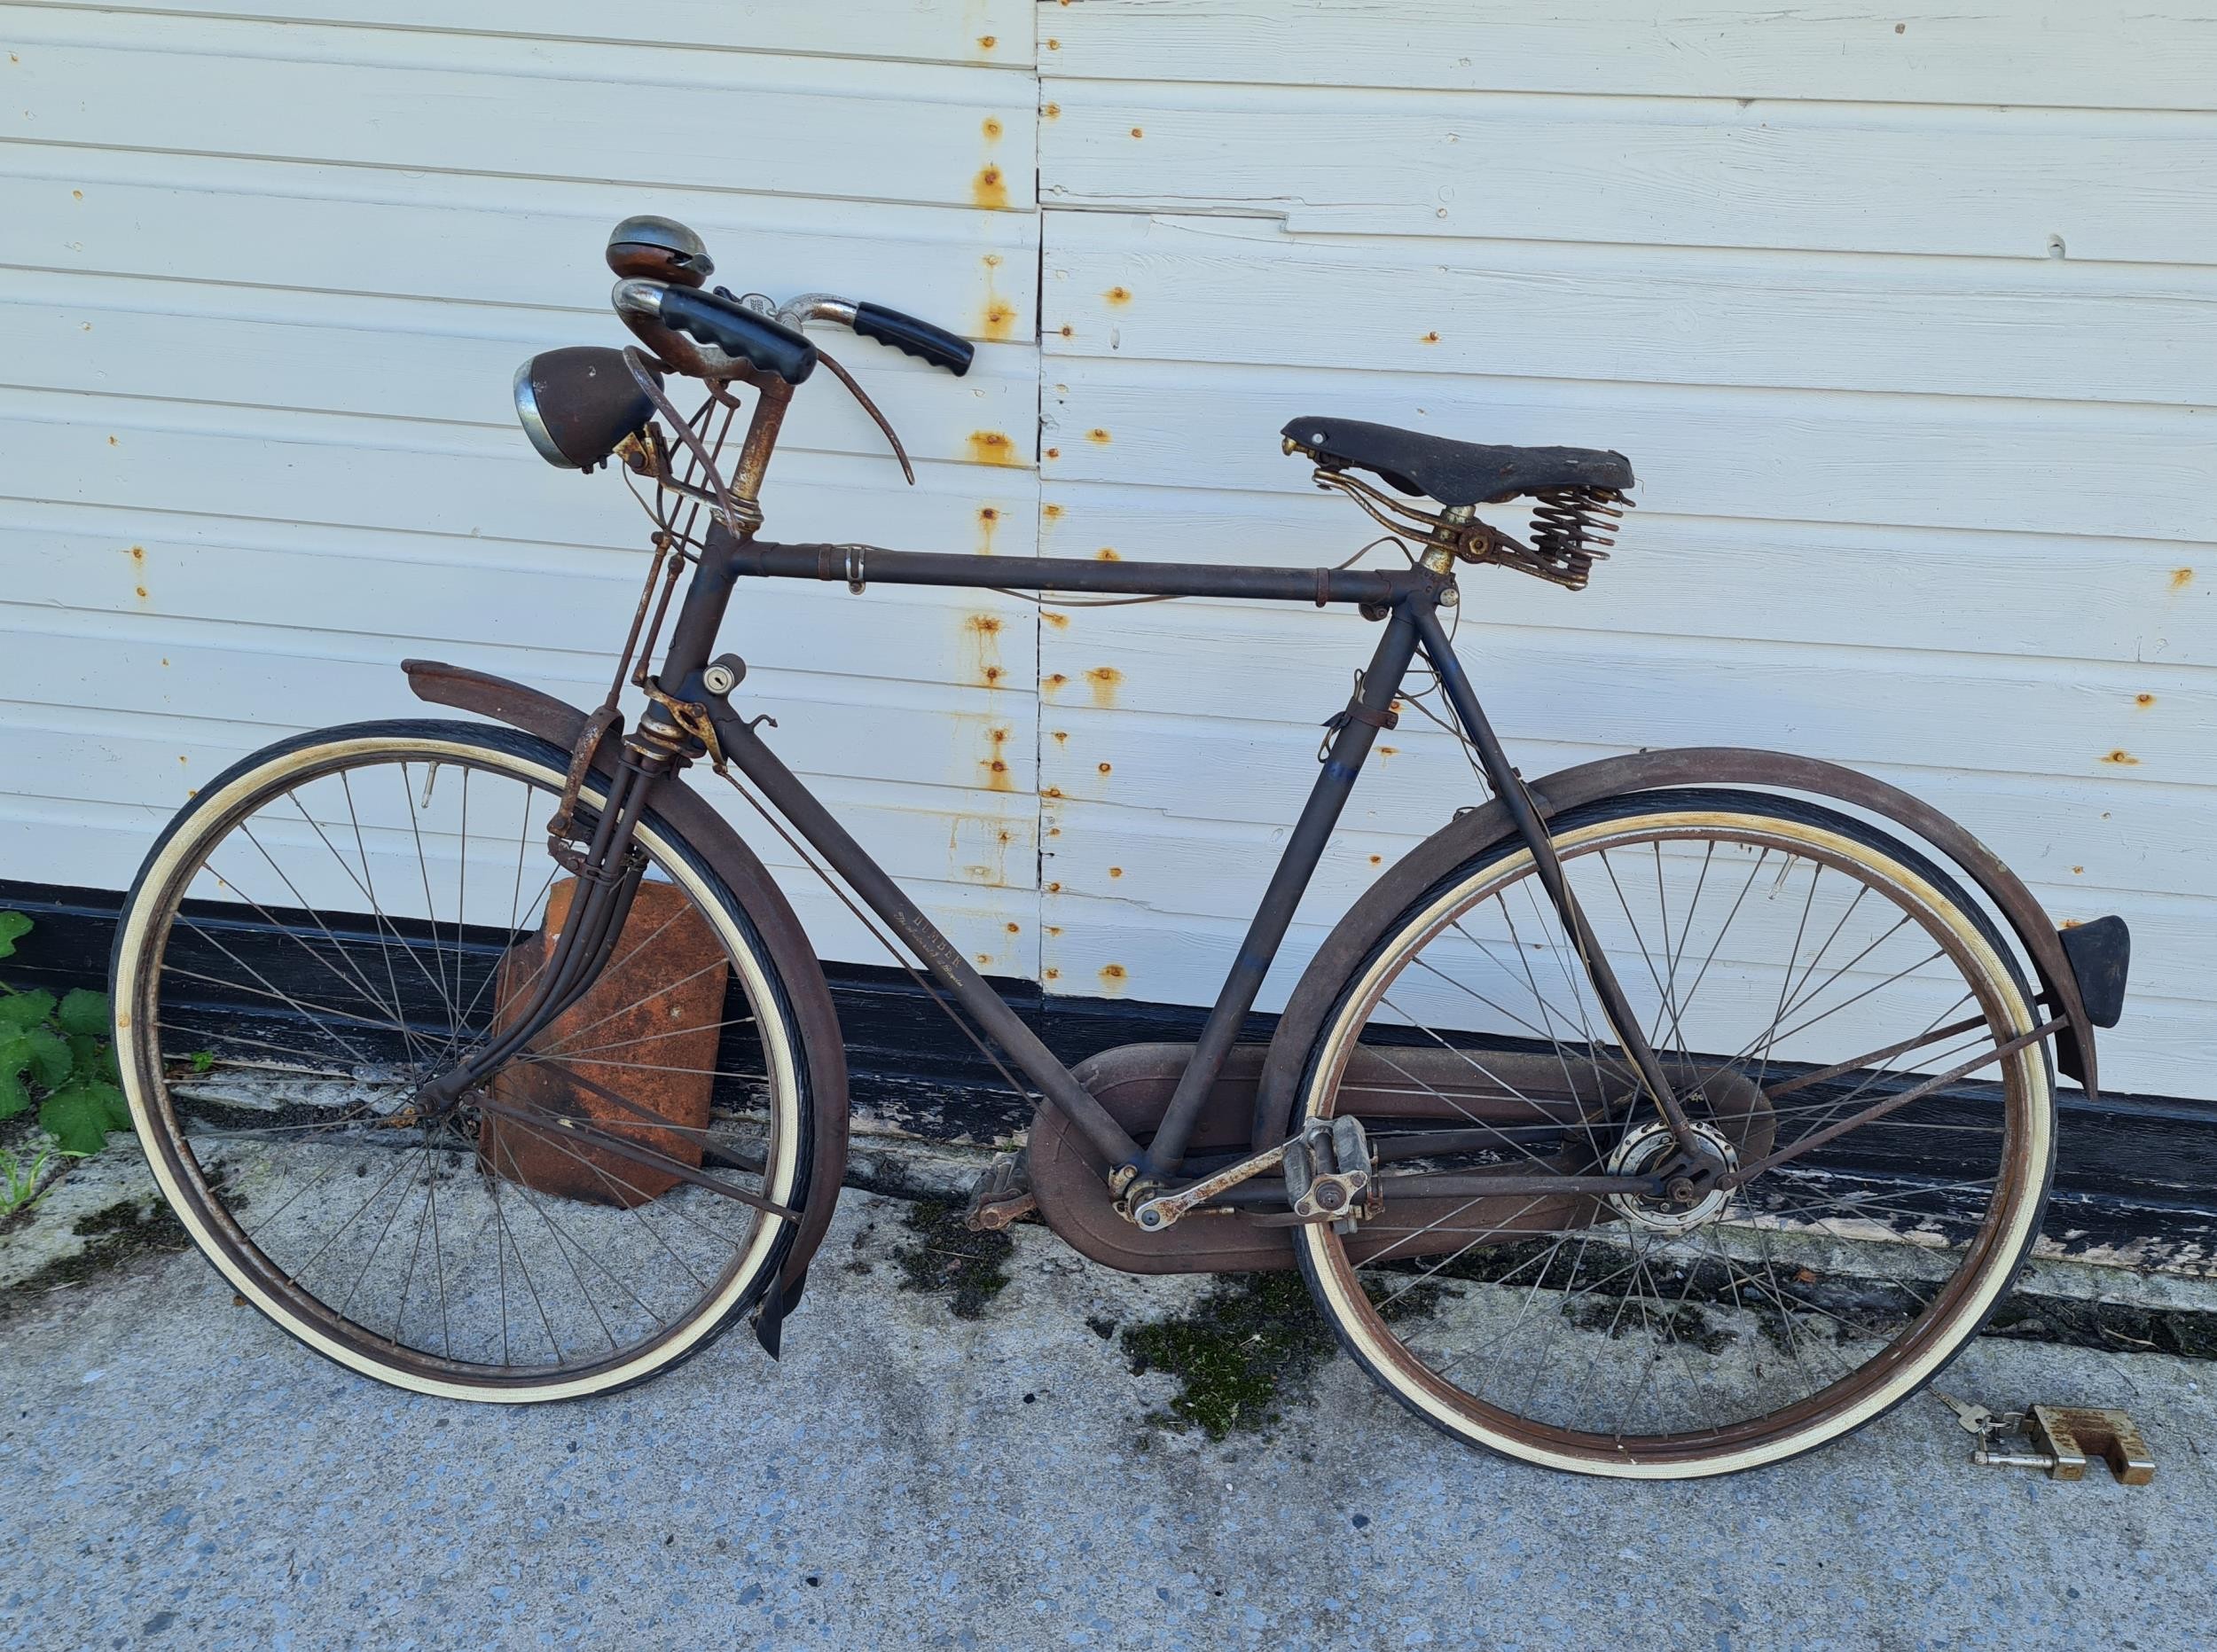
column 1969, row 1024
column 572, row 1130
column 1444, row 1185
column 1890, row 1104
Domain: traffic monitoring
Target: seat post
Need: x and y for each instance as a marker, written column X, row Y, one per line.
column 1440, row 558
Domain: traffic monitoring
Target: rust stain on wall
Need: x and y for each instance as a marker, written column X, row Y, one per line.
column 2181, row 578
column 2122, row 759
column 1061, row 621
column 1103, row 680
column 2143, row 701
column 990, row 190
column 1000, row 317
column 984, row 629
column 995, row 764
column 1112, row 980
column 1097, row 436
column 977, row 850
column 992, row 447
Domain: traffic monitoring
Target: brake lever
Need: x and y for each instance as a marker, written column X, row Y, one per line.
column 891, row 436
column 797, row 313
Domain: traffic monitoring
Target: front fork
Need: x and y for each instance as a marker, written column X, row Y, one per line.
column 608, row 871
column 611, row 864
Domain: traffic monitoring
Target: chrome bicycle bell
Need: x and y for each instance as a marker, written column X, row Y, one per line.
column 659, row 249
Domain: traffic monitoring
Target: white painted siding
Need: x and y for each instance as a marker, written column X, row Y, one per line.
column 266, row 278
column 1907, row 319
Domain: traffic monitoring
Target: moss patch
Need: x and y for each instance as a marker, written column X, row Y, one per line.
column 1253, row 1338
column 121, row 1233
column 949, row 1260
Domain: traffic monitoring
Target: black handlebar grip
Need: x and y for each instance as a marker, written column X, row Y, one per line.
column 755, row 339
column 936, row 345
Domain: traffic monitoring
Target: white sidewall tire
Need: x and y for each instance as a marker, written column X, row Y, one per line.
column 212, row 813
column 1328, row 1279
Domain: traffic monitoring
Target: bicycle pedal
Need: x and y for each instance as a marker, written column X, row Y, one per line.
column 1329, row 1171
column 1001, row 1194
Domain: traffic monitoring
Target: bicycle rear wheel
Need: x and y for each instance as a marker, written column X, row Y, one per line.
column 1801, row 975
column 339, row 916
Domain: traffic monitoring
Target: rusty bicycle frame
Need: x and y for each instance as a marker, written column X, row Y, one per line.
column 690, row 717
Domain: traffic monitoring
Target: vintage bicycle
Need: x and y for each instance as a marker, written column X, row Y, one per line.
column 1672, row 1114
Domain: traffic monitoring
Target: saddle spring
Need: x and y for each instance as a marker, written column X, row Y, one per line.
column 1571, row 527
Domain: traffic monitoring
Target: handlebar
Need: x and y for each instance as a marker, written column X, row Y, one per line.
column 936, row 345
column 663, row 265
column 742, row 334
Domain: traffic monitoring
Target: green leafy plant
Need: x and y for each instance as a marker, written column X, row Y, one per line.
column 56, row 1055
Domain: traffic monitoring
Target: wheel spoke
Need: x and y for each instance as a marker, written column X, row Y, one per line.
column 1806, row 983
column 490, row 1238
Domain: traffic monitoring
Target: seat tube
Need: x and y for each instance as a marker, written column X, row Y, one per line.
column 1343, row 762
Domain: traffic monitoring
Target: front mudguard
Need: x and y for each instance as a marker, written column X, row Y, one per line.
column 1475, row 829
column 822, row 1045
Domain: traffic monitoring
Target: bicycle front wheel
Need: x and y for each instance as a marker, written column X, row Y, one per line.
column 1806, row 980
column 341, row 916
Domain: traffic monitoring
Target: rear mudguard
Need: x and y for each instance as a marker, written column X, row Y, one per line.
column 822, row 1045
column 1475, row 829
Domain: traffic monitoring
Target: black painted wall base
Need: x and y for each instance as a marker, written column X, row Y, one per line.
column 2134, row 1175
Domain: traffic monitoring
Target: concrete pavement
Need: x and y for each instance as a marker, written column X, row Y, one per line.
column 176, row 1472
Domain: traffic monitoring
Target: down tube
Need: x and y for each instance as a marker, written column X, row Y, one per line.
column 883, row 896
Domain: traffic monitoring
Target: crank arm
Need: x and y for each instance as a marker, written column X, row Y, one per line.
column 1164, row 1209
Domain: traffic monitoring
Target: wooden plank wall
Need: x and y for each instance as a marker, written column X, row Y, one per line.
column 264, row 277
column 1907, row 319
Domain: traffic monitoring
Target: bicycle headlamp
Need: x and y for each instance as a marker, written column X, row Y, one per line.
column 578, row 404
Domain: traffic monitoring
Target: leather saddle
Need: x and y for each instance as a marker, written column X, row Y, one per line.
column 1454, row 473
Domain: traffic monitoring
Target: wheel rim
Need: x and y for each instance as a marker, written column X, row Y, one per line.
column 1609, row 1344
column 308, row 946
